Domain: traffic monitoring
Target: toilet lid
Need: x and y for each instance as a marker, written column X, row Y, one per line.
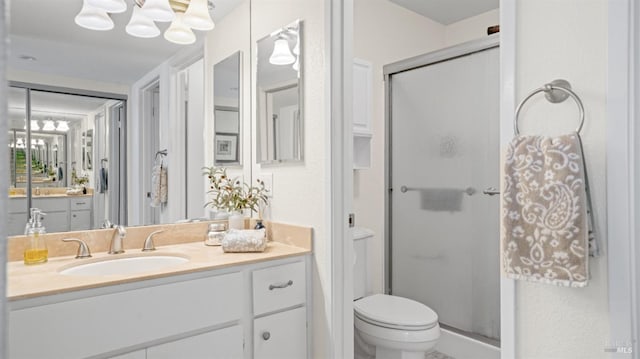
column 395, row 312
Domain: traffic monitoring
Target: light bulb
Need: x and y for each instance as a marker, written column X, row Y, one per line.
column 197, row 16
column 281, row 54
column 93, row 18
column 49, row 126
column 179, row 33
column 63, row 126
column 114, row 6
column 158, row 10
column 140, row 25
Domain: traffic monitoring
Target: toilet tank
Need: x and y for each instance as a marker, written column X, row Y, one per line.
column 361, row 286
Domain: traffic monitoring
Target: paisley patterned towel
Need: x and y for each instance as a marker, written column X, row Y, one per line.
column 544, row 211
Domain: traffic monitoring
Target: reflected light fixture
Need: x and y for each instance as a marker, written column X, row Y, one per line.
column 93, row 18
column 19, row 143
column 34, row 125
column 40, row 142
column 184, row 15
column 281, row 54
column 63, row 126
column 48, row 126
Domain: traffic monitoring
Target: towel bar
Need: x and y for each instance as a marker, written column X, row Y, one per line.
column 556, row 91
column 469, row 190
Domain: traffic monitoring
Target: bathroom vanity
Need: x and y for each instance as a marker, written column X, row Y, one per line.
column 222, row 305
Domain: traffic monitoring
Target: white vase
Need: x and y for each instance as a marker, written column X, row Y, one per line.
column 236, row 220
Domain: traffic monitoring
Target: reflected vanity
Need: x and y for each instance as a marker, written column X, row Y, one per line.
column 279, row 114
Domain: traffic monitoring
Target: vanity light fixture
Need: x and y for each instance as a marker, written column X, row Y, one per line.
column 40, row 142
column 34, row 125
column 48, row 126
column 281, row 54
column 63, row 126
column 19, row 143
column 183, row 14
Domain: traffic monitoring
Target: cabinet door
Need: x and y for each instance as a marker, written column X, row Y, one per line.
column 56, row 222
column 222, row 343
column 16, row 224
column 281, row 336
column 80, row 220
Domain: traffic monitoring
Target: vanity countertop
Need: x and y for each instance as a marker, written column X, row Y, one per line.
column 44, row 279
column 53, row 195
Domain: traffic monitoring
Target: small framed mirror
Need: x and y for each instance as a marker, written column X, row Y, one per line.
column 227, row 103
column 279, row 96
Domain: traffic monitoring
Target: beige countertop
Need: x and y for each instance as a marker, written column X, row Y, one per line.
column 29, row 281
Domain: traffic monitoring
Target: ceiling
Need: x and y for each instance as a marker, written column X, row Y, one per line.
column 45, row 29
column 448, row 11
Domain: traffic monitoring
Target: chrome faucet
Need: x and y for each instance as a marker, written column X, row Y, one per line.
column 116, row 241
column 148, row 243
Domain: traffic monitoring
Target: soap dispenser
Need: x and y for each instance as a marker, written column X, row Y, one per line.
column 35, row 250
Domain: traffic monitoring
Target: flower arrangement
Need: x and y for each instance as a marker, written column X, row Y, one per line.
column 231, row 195
column 80, row 181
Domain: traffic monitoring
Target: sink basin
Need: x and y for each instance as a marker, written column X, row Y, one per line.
column 124, row 265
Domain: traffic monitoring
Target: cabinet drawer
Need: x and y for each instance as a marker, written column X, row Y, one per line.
column 278, row 287
column 282, row 335
column 51, row 204
column 81, row 203
column 125, row 318
column 221, row 343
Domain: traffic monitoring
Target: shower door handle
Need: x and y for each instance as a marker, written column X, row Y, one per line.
column 491, row 191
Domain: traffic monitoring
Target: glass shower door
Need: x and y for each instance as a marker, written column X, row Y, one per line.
column 444, row 152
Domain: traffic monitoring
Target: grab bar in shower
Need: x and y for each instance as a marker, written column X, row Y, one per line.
column 469, row 190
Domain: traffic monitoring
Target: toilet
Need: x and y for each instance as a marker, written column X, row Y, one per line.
column 387, row 326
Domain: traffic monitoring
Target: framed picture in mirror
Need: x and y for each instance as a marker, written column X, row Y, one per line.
column 226, row 147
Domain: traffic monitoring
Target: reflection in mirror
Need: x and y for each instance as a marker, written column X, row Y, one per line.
column 279, row 112
column 227, row 120
column 60, row 177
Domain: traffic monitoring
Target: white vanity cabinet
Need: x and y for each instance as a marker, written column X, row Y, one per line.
column 63, row 214
column 209, row 314
column 279, row 308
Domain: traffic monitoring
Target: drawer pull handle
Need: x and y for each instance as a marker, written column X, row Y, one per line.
column 281, row 286
column 80, row 203
column 266, row 335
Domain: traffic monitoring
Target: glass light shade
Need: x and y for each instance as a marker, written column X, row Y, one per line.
column 158, row 10
column 40, row 142
column 140, row 25
column 197, row 16
column 48, row 126
column 296, row 49
column 281, row 54
column 114, row 6
column 34, row 141
column 296, row 65
column 34, row 125
column 179, row 33
column 63, row 126
column 93, row 18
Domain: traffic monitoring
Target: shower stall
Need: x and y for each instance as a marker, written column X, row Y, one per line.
column 443, row 174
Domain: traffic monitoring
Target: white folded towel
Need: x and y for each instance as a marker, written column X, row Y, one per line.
column 545, row 231
column 245, row 240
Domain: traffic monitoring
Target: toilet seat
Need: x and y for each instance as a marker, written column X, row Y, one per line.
column 394, row 312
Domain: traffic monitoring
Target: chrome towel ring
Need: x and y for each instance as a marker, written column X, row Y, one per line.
column 556, row 91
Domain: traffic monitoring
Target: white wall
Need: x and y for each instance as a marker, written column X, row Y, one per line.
column 405, row 34
column 301, row 191
column 229, row 36
column 565, row 39
column 471, row 28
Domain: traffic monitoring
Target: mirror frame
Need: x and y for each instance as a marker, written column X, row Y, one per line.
column 262, row 93
column 229, row 137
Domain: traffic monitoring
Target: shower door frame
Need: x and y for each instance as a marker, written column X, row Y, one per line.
column 446, row 54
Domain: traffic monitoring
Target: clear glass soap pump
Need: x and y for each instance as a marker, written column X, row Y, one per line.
column 35, row 250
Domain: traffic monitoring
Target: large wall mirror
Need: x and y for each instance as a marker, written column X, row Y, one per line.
column 227, row 114
column 279, row 108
